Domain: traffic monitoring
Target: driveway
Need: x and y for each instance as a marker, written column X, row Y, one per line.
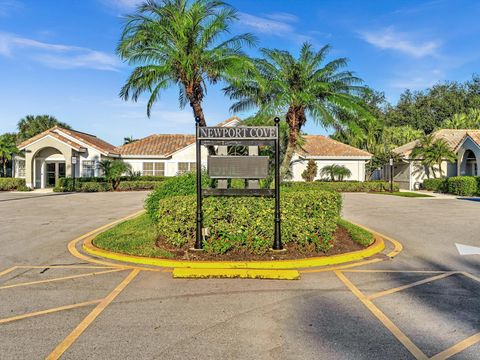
column 420, row 304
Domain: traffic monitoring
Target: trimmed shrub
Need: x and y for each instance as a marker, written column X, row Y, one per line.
column 358, row 234
column 10, row 184
column 342, row 186
column 137, row 185
column 309, row 220
column 94, row 187
column 462, row 185
column 437, row 185
column 185, row 184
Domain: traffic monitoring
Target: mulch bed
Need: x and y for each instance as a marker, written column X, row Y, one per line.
column 343, row 243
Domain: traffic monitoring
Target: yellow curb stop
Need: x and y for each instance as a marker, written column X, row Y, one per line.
column 190, row 273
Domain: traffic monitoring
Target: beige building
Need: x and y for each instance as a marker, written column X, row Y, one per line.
column 410, row 173
column 51, row 155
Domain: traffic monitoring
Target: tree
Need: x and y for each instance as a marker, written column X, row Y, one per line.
column 469, row 120
column 128, row 140
column 427, row 110
column 7, row 148
column 302, row 86
column 32, row 125
column 433, row 152
column 180, row 42
column 334, row 171
column 113, row 170
column 311, row 171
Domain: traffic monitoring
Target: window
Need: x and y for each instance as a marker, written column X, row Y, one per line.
column 88, row 168
column 21, row 168
column 184, row 167
column 153, row 169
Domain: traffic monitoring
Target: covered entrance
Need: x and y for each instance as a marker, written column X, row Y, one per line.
column 50, row 166
column 471, row 166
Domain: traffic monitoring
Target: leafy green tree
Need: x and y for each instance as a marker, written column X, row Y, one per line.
column 335, row 172
column 183, row 43
column 469, row 120
column 32, row 125
column 311, row 171
column 7, row 148
column 113, row 170
column 431, row 152
column 298, row 87
column 427, row 110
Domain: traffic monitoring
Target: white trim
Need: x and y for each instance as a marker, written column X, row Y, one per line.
column 334, row 157
column 54, row 138
column 463, row 142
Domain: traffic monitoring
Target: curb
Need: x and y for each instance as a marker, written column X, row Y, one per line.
column 373, row 249
column 189, row 273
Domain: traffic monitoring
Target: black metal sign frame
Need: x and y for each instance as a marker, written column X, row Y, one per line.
column 244, row 136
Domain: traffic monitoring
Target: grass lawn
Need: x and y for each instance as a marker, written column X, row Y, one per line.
column 134, row 237
column 404, row 194
column 137, row 237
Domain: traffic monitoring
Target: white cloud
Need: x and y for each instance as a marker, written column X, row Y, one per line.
column 389, row 39
column 8, row 6
column 122, row 4
column 417, row 79
column 265, row 25
column 59, row 55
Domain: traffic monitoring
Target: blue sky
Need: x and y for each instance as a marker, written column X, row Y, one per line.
column 57, row 56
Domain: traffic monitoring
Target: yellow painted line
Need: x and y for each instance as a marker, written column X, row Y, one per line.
column 73, row 336
column 236, row 273
column 64, row 267
column 341, row 267
column 9, row 270
column 473, row 277
column 407, row 286
column 373, row 249
column 59, row 279
column 455, row 349
column 397, row 246
column 48, row 311
column 416, row 352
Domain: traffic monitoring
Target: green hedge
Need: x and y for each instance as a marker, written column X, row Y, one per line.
column 438, row 185
column 10, row 184
column 342, row 186
column 462, row 185
column 309, row 220
column 100, row 184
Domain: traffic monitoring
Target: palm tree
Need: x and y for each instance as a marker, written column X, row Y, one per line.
column 433, row 152
column 32, row 125
column 113, row 170
column 297, row 87
column 180, row 42
column 335, row 171
column 128, row 140
column 7, row 148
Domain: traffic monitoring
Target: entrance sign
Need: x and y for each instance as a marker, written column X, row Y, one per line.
column 237, row 167
column 251, row 168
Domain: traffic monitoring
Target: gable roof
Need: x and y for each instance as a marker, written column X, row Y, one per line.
column 453, row 137
column 322, row 146
column 162, row 145
column 59, row 133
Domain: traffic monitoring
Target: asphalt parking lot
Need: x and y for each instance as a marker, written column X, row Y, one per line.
column 421, row 304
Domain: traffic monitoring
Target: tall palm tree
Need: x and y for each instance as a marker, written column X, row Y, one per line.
column 335, row 171
column 302, row 86
column 433, row 152
column 180, row 42
column 32, row 125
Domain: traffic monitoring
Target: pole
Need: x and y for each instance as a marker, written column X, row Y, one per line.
column 277, row 241
column 199, row 220
column 391, row 175
column 12, row 156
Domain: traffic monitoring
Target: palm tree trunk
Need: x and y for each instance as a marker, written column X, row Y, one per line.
column 198, row 111
column 293, row 121
column 4, row 162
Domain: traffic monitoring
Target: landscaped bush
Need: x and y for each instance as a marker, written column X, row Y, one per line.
column 342, row 186
column 10, row 184
column 438, row 185
column 137, row 185
column 127, row 183
column 462, row 185
column 309, row 220
column 185, row 184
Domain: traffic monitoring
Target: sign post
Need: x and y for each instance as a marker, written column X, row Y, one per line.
column 391, row 175
column 74, row 166
column 224, row 167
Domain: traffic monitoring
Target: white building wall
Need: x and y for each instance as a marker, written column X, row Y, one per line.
column 356, row 166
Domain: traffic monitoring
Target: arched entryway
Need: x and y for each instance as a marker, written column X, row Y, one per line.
column 469, row 164
column 49, row 165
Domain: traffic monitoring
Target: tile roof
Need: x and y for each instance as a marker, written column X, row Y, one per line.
column 88, row 139
column 453, row 137
column 318, row 145
column 229, row 122
column 160, row 145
